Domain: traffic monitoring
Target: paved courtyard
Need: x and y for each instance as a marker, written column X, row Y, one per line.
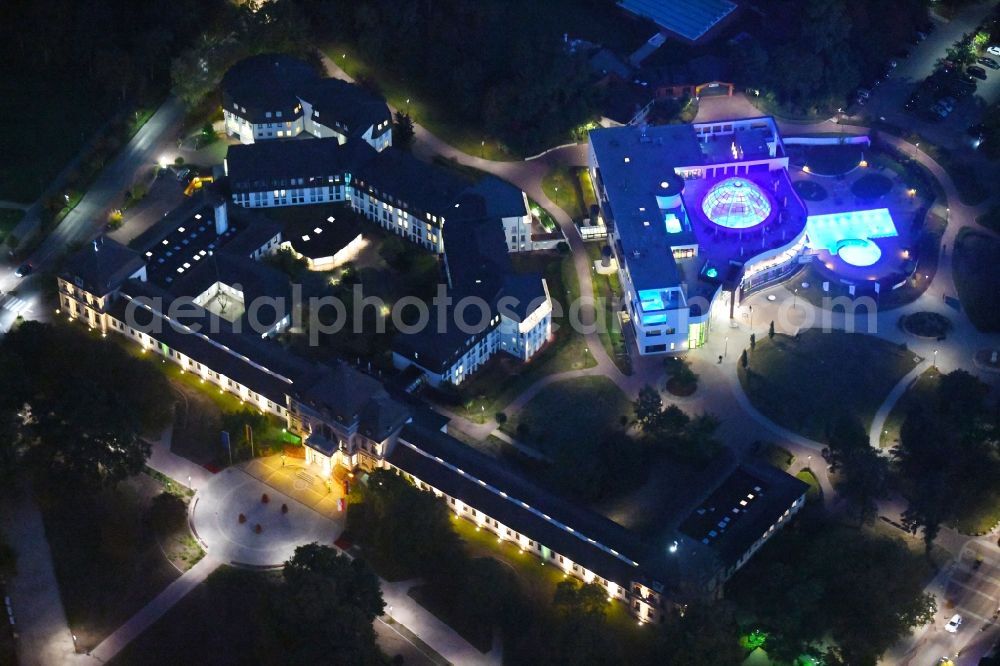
column 215, row 519
column 299, row 481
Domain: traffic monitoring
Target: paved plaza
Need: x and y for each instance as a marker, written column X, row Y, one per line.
column 215, row 519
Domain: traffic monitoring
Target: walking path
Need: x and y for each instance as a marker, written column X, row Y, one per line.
column 442, row 638
column 44, row 636
column 178, row 468
column 878, row 423
column 155, row 609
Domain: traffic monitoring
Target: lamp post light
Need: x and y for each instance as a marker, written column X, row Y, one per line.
column 407, row 106
column 725, row 351
column 795, row 298
column 935, row 357
column 915, row 146
column 750, row 307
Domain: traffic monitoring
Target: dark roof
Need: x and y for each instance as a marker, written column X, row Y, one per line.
column 102, row 266
column 606, row 62
column 742, row 509
column 435, row 457
column 499, row 198
column 260, row 365
column 254, row 231
column 268, row 165
column 347, row 395
column 266, row 83
column 325, row 237
column 422, row 187
column 346, row 107
column 522, row 293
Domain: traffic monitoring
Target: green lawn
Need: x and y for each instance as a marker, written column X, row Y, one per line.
column 975, row 259
column 917, row 394
column 807, row 384
column 108, row 561
column 607, row 292
column 503, row 378
column 215, row 622
column 815, row 492
column 571, row 189
column 570, row 413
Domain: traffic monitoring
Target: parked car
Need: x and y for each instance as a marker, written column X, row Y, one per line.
column 953, row 624
column 994, row 50
column 977, row 72
column 24, row 269
column 989, row 62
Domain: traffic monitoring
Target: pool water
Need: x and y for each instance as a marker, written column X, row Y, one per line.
column 849, row 235
column 858, row 251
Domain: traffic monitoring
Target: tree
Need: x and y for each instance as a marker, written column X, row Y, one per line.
column 770, row 331
column 863, row 481
column 753, row 341
column 648, row 408
column 805, row 587
column 403, row 130
column 327, row 604
column 744, row 361
column 409, row 527
column 84, row 403
column 704, row 634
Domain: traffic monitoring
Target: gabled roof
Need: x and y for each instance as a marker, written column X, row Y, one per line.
column 348, row 395
column 346, row 107
column 268, row 165
column 102, row 266
column 690, row 19
column 266, row 83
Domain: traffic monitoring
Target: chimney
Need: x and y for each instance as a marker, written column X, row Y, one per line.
column 221, row 218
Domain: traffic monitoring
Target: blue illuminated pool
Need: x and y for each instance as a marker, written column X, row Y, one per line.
column 858, row 251
column 848, row 234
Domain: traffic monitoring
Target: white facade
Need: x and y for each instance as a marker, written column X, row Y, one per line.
column 274, row 127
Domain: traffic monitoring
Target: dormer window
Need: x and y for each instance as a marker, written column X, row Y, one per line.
column 267, row 114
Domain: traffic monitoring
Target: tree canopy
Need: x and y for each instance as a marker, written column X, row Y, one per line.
column 671, row 430
column 808, row 584
column 326, row 607
column 76, row 405
column 948, row 458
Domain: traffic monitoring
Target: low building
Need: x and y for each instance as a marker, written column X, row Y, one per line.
column 698, row 217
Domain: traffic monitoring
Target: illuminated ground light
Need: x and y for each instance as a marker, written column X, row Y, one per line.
column 736, row 203
column 849, row 234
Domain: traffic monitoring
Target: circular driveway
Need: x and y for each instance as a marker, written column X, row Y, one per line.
column 215, row 520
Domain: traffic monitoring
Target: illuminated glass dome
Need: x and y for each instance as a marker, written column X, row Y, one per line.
column 736, row 203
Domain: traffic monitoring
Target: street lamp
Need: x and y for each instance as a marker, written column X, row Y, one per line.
column 935, row 357
column 407, row 106
column 915, row 146
column 725, row 352
column 750, row 307
column 795, row 298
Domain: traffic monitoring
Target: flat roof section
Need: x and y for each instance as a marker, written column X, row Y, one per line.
column 690, row 19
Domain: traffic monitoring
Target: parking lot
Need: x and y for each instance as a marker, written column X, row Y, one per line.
column 889, row 98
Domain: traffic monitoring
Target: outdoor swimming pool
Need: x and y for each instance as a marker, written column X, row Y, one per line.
column 849, row 234
column 859, row 251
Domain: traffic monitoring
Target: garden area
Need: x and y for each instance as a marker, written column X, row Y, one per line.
column 115, row 549
column 974, row 262
column 809, row 382
column 570, row 414
column 570, row 188
column 810, row 190
column 926, row 325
